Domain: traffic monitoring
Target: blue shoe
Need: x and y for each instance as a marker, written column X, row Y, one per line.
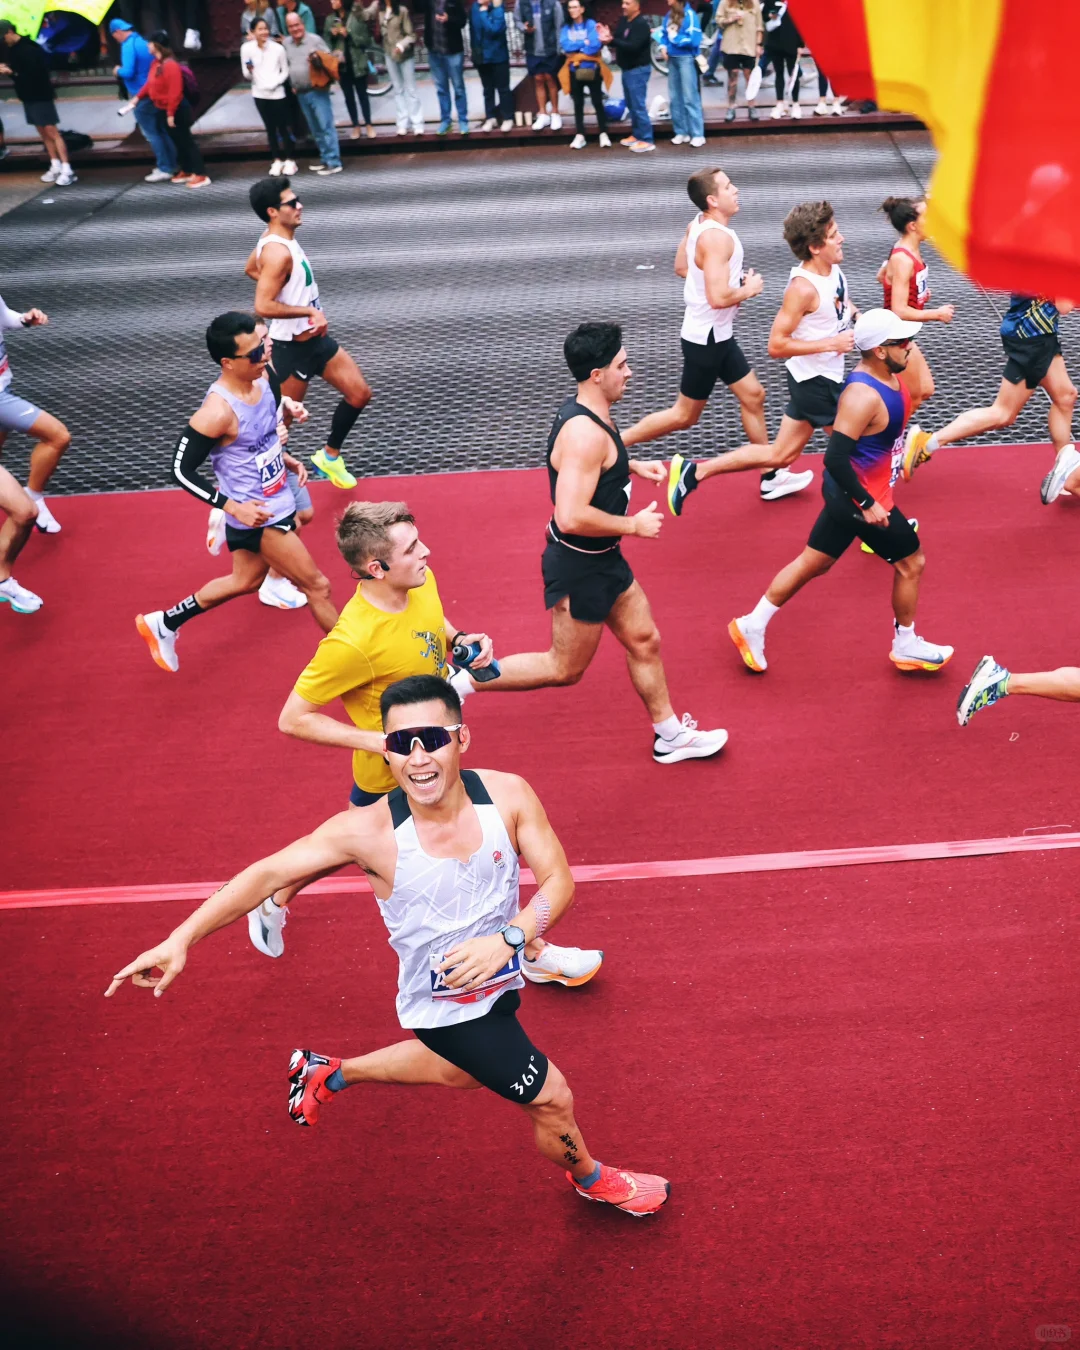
column 442, row 128
column 682, row 480
column 464, row 128
column 989, row 682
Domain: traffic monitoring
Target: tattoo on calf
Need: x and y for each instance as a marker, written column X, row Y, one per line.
column 571, row 1153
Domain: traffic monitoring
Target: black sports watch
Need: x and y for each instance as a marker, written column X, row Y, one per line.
column 513, row 937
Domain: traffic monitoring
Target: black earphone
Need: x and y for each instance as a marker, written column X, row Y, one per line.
column 384, row 565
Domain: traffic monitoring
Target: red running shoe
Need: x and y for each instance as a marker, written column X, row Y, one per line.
column 636, row 1193
column 308, row 1073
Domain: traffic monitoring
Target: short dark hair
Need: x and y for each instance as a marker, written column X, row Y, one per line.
column 266, row 193
column 700, row 185
column 591, row 346
column 420, row 689
column 224, row 330
column 901, row 211
column 6, row 27
column 806, row 224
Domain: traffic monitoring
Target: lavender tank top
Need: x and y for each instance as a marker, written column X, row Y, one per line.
column 251, row 467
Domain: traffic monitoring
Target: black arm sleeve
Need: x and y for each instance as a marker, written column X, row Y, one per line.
column 842, row 472
column 192, row 451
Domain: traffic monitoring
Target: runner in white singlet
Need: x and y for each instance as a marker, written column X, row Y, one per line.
column 441, row 855
column 811, row 333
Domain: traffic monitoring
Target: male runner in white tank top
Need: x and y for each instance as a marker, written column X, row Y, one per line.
column 287, row 294
column 810, row 334
column 441, row 853
column 710, row 259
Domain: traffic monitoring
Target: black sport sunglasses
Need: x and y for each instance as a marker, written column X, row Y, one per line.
column 430, row 738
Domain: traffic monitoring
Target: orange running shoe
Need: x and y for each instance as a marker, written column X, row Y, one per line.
column 635, row 1193
column 308, row 1073
column 915, row 451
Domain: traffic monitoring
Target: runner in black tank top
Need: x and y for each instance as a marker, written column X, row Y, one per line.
column 587, row 581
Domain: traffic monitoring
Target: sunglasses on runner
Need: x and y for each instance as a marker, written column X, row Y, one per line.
column 256, row 354
column 430, row 738
column 291, row 201
column 899, row 342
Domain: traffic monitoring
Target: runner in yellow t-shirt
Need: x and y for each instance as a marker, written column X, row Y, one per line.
column 393, row 627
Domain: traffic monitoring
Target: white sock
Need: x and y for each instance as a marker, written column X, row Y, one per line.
column 669, row 728
column 762, row 612
column 35, row 496
column 933, row 444
column 55, row 164
column 902, row 632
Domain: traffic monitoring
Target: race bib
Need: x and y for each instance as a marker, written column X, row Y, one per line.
column 271, row 468
column 897, row 458
column 441, row 990
column 922, row 286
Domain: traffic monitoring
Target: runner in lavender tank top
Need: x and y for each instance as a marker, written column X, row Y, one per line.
column 237, row 430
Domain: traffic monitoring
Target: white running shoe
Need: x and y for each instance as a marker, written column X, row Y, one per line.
column 1068, row 458
column 679, row 140
column 277, row 168
column 51, row 174
column 266, row 928
column 697, row 142
column 605, row 141
column 215, row 531
column 689, row 743
column 796, row 111
column 913, row 653
column 784, row 484
column 578, row 143
column 489, row 124
column 779, row 111
column 822, row 109
column 192, row 40
column 46, row 522
column 158, row 176
column 19, row 598
column 541, row 123
column 462, row 682
column 562, row 965
column 508, row 125
column 989, row 682
column 556, row 122
column 160, row 640
column 750, row 642
column 289, row 168
column 66, row 177
column 280, row 593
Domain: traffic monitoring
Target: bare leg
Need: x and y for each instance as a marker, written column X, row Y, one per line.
column 751, row 395
column 573, row 646
column 632, row 623
column 917, row 377
column 16, row 529
column 905, row 591
column 732, row 88
column 248, row 571
column 1062, row 393
column 291, row 558
column 1004, row 411
column 53, row 142
column 407, row 1062
column 53, row 438
column 792, row 438
column 809, row 564
column 681, row 416
column 304, row 517
column 1062, row 684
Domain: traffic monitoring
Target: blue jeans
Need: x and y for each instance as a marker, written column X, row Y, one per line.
column 447, row 70
column 319, row 113
column 684, row 95
column 635, row 85
column 152, row 124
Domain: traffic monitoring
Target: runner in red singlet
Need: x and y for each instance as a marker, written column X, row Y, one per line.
column 905, row 280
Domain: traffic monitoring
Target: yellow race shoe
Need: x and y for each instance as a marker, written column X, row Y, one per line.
column 334, row 468
column 915, row 451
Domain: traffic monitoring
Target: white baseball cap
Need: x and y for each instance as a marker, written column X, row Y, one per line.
column 878, row 326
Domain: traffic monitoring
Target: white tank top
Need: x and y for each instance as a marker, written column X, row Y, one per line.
column 832, row 316
column 300, row 289
column 701, row 318
column 438, row 902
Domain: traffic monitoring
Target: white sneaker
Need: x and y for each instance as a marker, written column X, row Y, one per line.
column 679, row 140
column 562, row 965
column 750, row 642
column 697, row 142
column 288, row 168
column 215, row 531
column 578, row 143
column 489, row 125
column 689, row 743
column 838, row 109
column 462, row 682
column 280, row 593
column 192, row 40
column 556, row 122
column 508, row 125
column 403, row 131
column 18, row 597
column 784, row 484
column 1066, row 461
column 796, row 112
column 605, row 141
column 50, row 175
column 266, row 928
column 160, row 640
column 66, row 177
column 912, row 653
column 158, row 176
column 822, row 109
column 46, row 522
column 418, row 129
column 276, row 169
column 541, row 122
column 779, row 111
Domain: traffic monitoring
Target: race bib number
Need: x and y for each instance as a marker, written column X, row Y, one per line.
column 922, row 286
column 271, row 466
column 897, row 458
column 441, row 990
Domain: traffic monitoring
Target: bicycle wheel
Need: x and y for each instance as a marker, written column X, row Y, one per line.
column 658, row 57
column 378, row 84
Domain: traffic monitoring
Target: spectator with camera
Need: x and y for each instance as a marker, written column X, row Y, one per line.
column 311, row 76
column 632, row 43
column 265, row 64
column 491, row 57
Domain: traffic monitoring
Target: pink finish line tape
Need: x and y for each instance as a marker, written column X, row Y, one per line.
column 633, row 871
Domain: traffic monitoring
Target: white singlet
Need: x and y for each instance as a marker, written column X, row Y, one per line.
column 438, row 902
column 832, row 316
column 701, row 318
column 300, row 289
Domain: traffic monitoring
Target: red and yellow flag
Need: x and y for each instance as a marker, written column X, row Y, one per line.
column 991, row 79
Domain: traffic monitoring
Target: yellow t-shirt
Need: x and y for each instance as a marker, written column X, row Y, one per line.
column 367, row 650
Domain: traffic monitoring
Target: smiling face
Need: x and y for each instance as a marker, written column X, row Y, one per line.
column 426, row 776
column 295, row 26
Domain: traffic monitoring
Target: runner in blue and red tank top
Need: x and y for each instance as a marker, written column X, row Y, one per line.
column 861, row 464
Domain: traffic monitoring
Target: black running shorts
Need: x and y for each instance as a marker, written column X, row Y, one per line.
column 252, row 539
column 706, row 362
column 813, row 400
column 304, row 360
column 493, row 1049
column 593, row 581
column 841, row 523
column 1028, row 359
column 737, row 61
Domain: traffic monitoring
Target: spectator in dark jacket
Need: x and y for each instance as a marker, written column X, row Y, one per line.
column 28, row 67
column 445, row 42
column 491, row 57
column 541, row 21
column 632, row 41
column 782, row 43
column 133, row 70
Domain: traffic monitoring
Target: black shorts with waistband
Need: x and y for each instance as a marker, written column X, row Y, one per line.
column 493, row 1049
column 706, row 362
column 841, row 523
column 1029, row 359
column 592, row 581
column 814, row 400
column 251, row 540
column 304, row 360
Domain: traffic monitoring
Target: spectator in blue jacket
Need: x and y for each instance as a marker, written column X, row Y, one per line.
column 680, row 36
column 134, row 68
column 491, row 57
column 580, row 37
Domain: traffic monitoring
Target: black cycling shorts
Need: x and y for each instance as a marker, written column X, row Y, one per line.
column 841, row 523
column 737, row 61
column 252, row 539
column 304, row 360
column 493, row 1049
column 1028, row 359
column 814, row 400
column 706, row 362
column 593, row 581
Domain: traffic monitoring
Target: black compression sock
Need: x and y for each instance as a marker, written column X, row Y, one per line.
column 341, row 424
column 181, row 612
column 765, row 477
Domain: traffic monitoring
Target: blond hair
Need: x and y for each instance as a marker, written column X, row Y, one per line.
column 363, row 531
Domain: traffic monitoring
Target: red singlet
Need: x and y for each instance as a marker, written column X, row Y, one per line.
column 919, row 285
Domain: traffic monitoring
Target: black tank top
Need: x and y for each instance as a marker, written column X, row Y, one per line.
column 612, row 494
